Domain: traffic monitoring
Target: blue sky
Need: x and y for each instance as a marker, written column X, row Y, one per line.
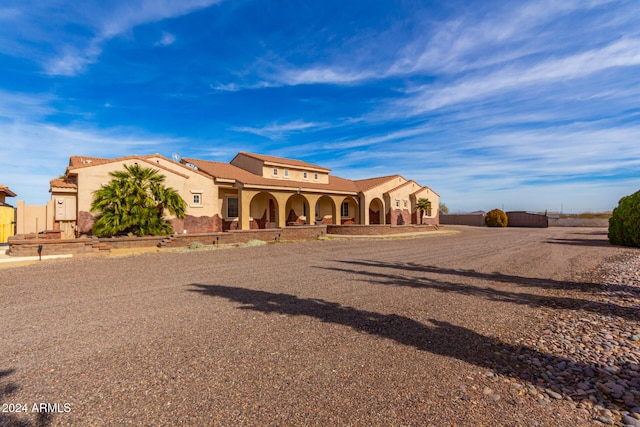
column 510, row 104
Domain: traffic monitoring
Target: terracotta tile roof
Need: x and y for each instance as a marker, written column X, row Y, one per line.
column 403, row 185
column 78, row 162
column 228, row 171
column 4, row 189
column 368, row 184
column 63, row 183
column 221, row 171
column 419, row 190
column 425, row 188
column 282, row 161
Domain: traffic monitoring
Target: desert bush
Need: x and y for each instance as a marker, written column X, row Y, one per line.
column 624, row 224
column 256, row 243
column 195, row 245
column 496, row 218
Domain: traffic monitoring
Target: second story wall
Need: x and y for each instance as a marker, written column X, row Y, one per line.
column 247, row 163
column 288, row 173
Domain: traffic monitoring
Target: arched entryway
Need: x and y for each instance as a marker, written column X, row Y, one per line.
column 325, row 210
column 376, row 211
column 264, row 211
column 297, row 209
column 349, row 211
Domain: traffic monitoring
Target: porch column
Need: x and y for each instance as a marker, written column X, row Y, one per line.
column 364, row 210
column 312, row 214
column 337, row 209
column 281, row 198
column 244, row 208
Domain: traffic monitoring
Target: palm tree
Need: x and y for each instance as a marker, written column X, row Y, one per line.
column 423, row 205
column 134, row 201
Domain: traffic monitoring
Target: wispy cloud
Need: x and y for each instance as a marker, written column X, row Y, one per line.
column 9, row 13
column 501, row 34
column 277, row 131
column 166, row 40
column 622, row 53
column 17, row 106
column 73, row 60
column 507, row 99
column 323, row 75
column 98, row 24
column 37, row 151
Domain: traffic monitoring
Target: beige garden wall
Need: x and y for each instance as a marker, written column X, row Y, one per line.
column 34, row 218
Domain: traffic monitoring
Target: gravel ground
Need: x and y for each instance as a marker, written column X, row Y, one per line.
column 530, row 327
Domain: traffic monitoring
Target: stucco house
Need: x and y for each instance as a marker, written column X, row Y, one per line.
column 252, row 191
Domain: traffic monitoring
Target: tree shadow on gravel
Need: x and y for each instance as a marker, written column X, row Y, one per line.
column 10, row 419
column 491, row 277
column 579, row 242
column 603, row 232
column 553, row 373
column 373, row 275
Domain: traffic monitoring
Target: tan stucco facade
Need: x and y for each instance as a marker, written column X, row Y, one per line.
column 252, row 191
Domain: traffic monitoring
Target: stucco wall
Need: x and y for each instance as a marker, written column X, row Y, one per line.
column 476, row 220
column 34, row 218
column 400, row 197
column 433, row 197
column 184, row 181
column 248, row 163
column 295, row 175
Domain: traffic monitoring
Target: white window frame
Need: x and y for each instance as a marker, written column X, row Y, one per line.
column 315, row 176
column 342, row 210
column 286, row 173
column 397, row 203
column 275, row 171
column 305, row 175
column 196, row 199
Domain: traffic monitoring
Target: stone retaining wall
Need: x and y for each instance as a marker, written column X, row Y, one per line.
column 21, row 246
column 299, row 232
column 81, row 246
column 373, row 230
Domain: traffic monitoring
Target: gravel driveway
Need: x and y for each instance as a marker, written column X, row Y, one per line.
column 398, row 332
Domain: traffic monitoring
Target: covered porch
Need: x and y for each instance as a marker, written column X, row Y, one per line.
column 262, row 208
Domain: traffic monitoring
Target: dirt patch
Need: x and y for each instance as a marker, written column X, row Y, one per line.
column 133, row 251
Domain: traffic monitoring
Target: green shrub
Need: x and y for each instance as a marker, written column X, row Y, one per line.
column 496, row 218
column 195, row 245
column 256, row 243
column 624, row 224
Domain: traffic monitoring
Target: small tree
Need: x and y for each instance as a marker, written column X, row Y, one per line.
column 496, row 218
column 423, row 205
column 134, row 201
column 624, row 224
column 443, row 209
